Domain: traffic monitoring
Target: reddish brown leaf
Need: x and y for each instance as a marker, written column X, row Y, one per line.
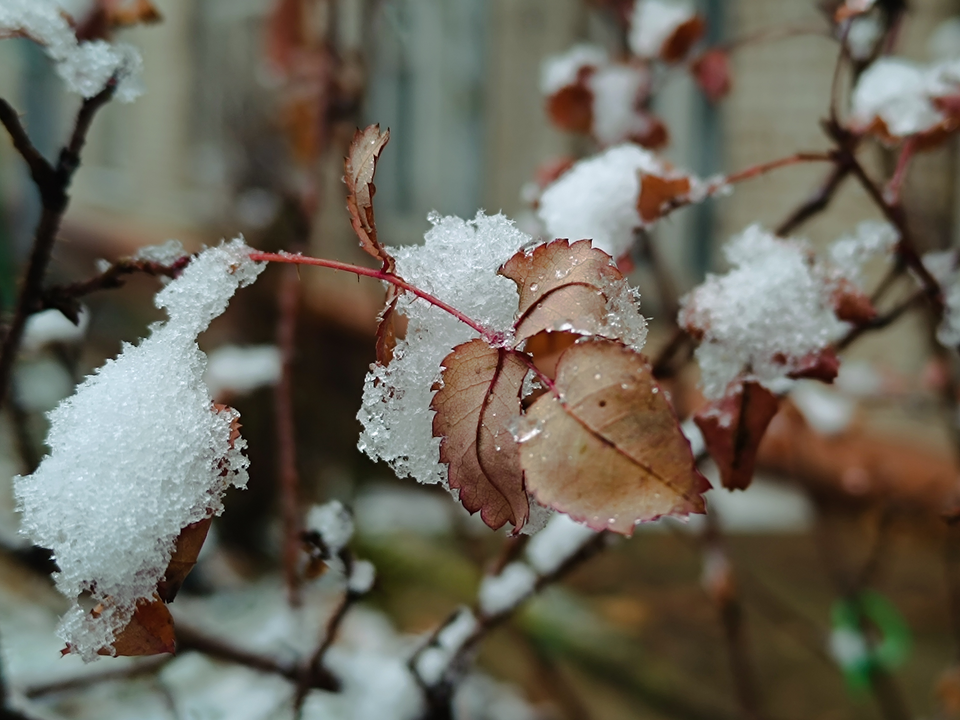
column 359, row 168
column 732, row 429
column 284, row 34
column 149, row 632
column 610, row 452
column 561, row 287
column 658, row 193
column 479, row 400
column 106, row 16
column 851, row 304
column 546, row 348
column 184, row 557
column 655, row 136
column 684, row 37
column 571, row 109
column 387, row 329
column 823, row 365
column 712, row 72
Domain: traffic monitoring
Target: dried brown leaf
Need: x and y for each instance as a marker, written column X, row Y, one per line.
column 185, row 554
column 106, row 16
column 823, row 365
column 654, row 136
column 657, row 194
column 561, row 287
column 732, row 429
column 683, row 38
column 571, row 109
column 386, row 328
column 149, row 632
column 851, row 304
column 359, row 168
column 610, row 452
column 479, row 400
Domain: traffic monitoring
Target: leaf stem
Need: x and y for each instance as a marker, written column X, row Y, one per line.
column 494, row 338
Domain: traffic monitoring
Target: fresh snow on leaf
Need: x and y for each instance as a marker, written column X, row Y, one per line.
column 166, row 253
column 618, row 91
column 654, row 22
column 138, row 453
column 560, row 71
column 902, row 94
column 851, row 252
column 458, row 264
column 770, row 311
column 597, row 198
column 85, row 67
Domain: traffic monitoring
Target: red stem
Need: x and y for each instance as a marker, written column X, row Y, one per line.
column 891, row 193
column 766, row 167
column 491, row 336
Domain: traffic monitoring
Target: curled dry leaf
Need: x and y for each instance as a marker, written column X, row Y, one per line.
column 605, row 447
column 823, row 365
column 712, row 72
column 676, row 47
column 185, row 554
column 659, row 194
column 851, row 304
column 359, row 168
column 478, row 403
column 387, row 327
column 561, row 287
column 149, row 632
column 733, row 427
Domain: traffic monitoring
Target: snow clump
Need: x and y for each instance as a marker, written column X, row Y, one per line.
column 458, row 264
column 764, row 316
column 86, row 67
column 137, row 453
column 597, row 198
column 654, row 22
column 944, row 268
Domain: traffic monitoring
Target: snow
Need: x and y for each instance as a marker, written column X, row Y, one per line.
column 597, row 198
column 654, row 22
column 826, row 411
column 560, row 540
column 902, row 94
column 768, row 312
column 691, row 431
column 52, row 326
column 137, row 453
column 333, row 523
column 85, row 67
column 503, row 592
column 166, row 253
column 944, row 268
column 240, row 370
column 848, row 647
column 559, row 71
column 618, row 91
column 851, row 252
column 862, row 36
column 362, row 576
column 458, row 264
column 386, row 510
column 434, row 661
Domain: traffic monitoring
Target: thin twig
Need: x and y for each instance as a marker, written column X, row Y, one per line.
column 145, row 666
column 490, row 336
column 286, row 431
column 817, row 202
column 662, row 363
column 52, row 187
column 882, row 321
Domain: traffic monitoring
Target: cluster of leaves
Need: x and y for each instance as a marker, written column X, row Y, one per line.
column 598, row 440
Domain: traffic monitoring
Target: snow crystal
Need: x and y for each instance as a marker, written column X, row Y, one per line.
column 434, row 661
column 499, row 593
column 559, row 71
column 137, row 453
column 597, row 199
column 560, row 540
column 763, row 316
column 85, row 67
column 901, row 93
column 52, row 326
column 458, row 264
column 333, row 523
column 241, row 370
column 653, row 22
column 944, row 268
column 850, row 253
column 617, row 93
column 166, row 253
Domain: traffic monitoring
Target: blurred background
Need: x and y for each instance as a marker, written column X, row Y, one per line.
column 226, row 139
